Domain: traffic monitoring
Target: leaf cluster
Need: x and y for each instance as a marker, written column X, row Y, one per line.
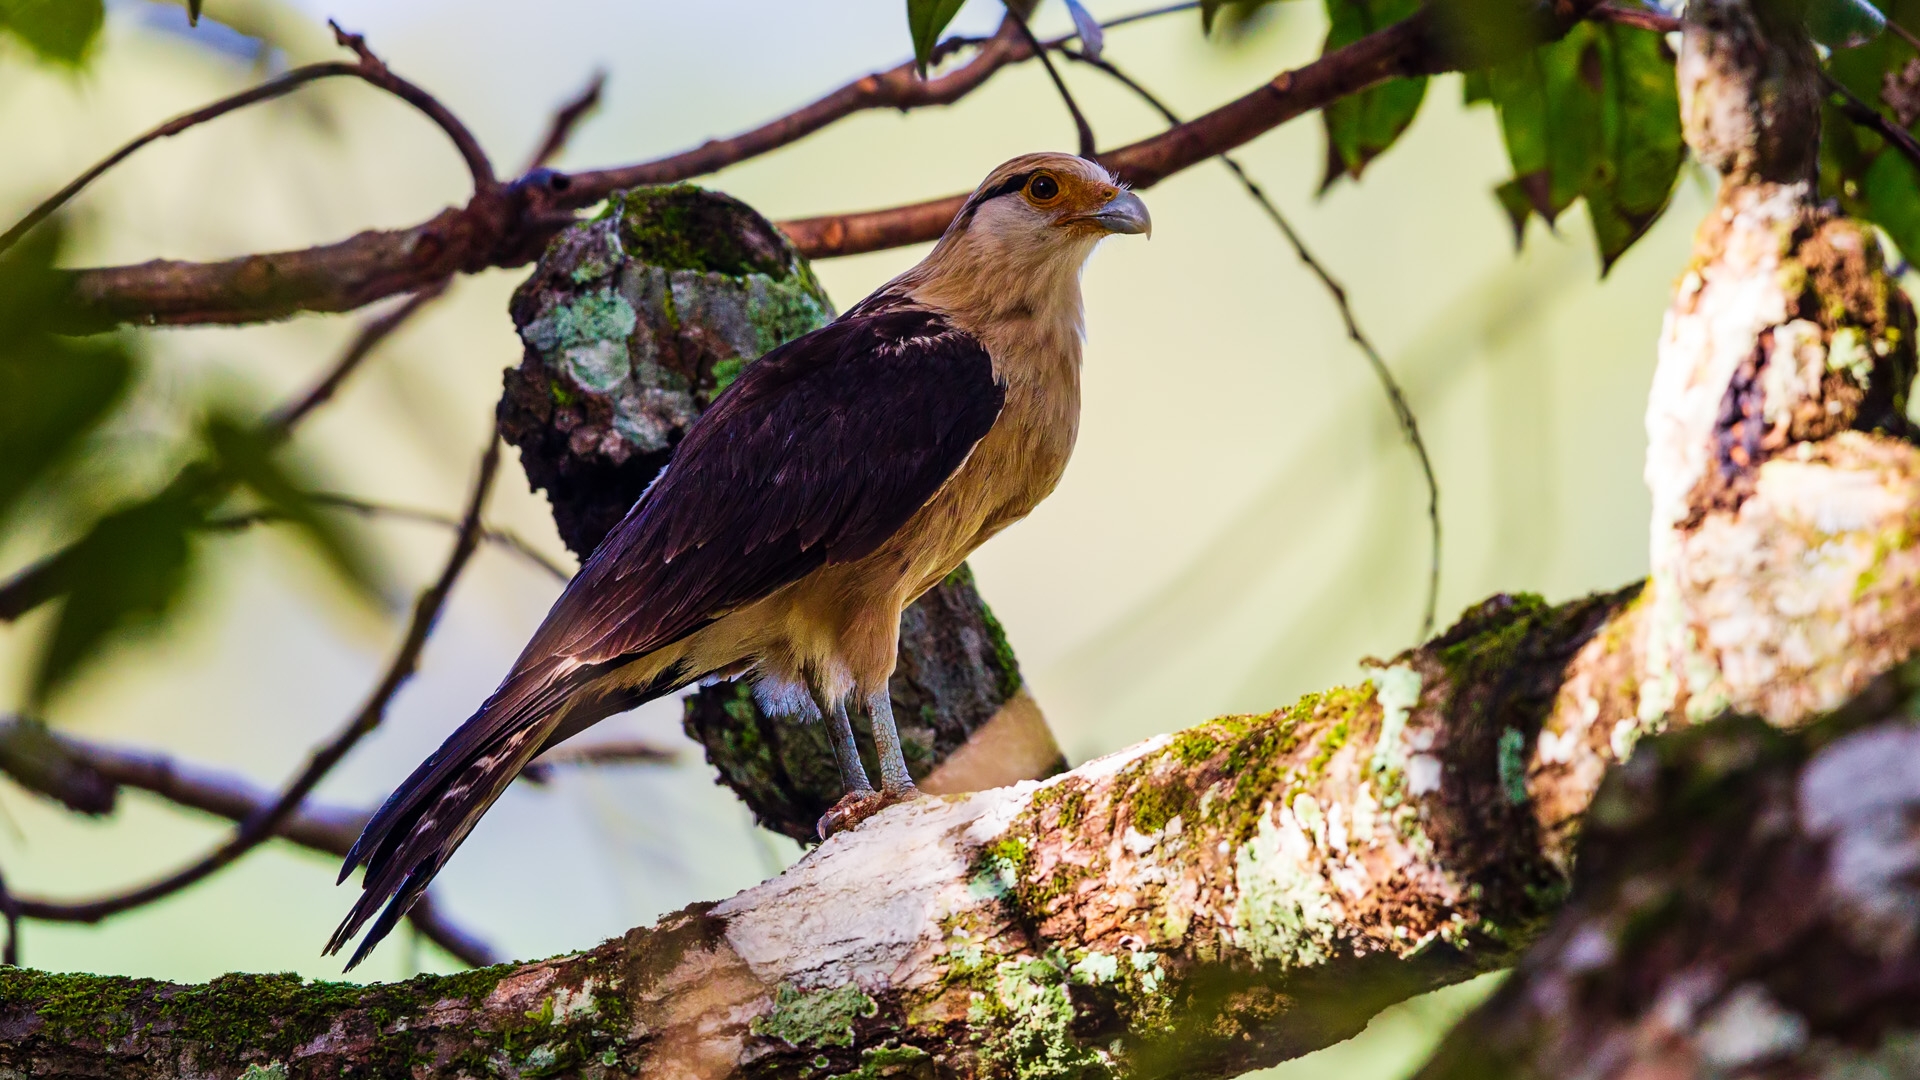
column 132, row 561
column 61, row 31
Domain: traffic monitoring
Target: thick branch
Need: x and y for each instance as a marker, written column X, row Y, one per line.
column 1236, row 894
column 1746, row 906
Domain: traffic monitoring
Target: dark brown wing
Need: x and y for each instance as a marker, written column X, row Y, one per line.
column 822, row 450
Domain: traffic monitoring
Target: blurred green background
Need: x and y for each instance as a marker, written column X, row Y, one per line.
column 1240, row 524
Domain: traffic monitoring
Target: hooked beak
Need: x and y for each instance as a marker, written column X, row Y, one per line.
column 1124, row 213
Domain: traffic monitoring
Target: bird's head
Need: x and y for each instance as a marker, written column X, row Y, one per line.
column 1051, row 201
column 1024, row 233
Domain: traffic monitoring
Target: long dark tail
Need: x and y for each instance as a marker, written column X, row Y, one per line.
column 417, row 829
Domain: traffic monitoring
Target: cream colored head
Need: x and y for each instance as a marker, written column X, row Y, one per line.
column 1024, row 234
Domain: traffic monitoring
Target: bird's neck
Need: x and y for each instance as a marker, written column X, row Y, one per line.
column 1014, row 299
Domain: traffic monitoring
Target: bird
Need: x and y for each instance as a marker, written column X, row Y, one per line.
column 835, row 480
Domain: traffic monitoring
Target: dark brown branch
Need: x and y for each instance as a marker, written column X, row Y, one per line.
column 566, row 120
column 1083, row 131
column 10, row 910
column 1873, row 119
column 1405, row 48
column 1396, row 398
column 511, row 226
column 376, row 72
column 1638, row 17
column 262, row 825
column 368, row 68
column 371, row 334
column 612, row 752
column 504, row 538
column 90, row 769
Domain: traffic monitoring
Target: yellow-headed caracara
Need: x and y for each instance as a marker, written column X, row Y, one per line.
column 841, row 476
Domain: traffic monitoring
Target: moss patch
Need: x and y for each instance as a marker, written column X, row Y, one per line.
column 814, row 1018
column 683, row 227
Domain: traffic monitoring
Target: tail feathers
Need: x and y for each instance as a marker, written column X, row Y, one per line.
column 426, row 818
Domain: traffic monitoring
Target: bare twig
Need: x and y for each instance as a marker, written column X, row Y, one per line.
column 368, row 68
column 371, row 334
column 1858, row 111
column 376, row 72
column 1083, row 130
column 563, row 123
column 316, row 826
column 612, row 752
column 262, row 825
column 10, row 909
column 1396, row 398
column 504, row 538
column 1642, row 18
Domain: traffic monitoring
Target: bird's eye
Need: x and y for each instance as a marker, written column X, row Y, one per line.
column 1043, row 188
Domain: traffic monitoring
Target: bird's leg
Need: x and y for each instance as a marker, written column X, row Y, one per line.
column 846, row 752
column 895, row 783
column 859, row 800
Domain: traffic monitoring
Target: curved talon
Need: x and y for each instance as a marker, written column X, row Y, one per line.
column 856, row 807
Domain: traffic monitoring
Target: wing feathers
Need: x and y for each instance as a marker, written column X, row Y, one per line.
column 818, row 453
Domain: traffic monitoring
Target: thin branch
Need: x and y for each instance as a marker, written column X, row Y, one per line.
column 1150, row 13
column 504, row 538
column 612, row 752
column 377, row 73
column 1641, row 18
column 566, row 120
column 513, row 227
column 1084, row 130
column 368, row 68
column 1405, row 48
column 1396, row 398
column 318, row 827
column 371, row 334
column 10, row 910
column 262, row 825
column 1865, row 115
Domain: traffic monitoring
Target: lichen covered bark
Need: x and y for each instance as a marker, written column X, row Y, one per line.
column 1746, row 906
column 1239, row 893
column 1783, row 477
column 632, row 323
column 956, row 675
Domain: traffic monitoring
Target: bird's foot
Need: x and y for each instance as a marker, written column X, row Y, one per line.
column 857, row 806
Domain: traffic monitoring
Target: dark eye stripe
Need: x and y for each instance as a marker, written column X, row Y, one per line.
column 1008, row 186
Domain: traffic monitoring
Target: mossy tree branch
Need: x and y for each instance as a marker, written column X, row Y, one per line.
column 1233, row 895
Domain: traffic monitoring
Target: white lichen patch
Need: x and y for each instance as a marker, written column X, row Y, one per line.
column 1283, row 912
column 1748, row 1027
column 1861, row 795
column 1397, row 690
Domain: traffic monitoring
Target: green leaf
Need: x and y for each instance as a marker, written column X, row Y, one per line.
column 1892, row 192
column 1593, row 116
column 1362, row 126
column 53, row 390
column 126, row 574
column 246, row 456
column 58, row 30
column 1844, row 24
column 1642, row 146
column 925, row 20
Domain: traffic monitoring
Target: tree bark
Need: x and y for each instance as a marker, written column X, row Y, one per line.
column 1200, row 904
column 632, row 323
column 1746, row 907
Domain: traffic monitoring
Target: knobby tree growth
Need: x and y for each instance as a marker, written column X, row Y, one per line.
column 1680, row 811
